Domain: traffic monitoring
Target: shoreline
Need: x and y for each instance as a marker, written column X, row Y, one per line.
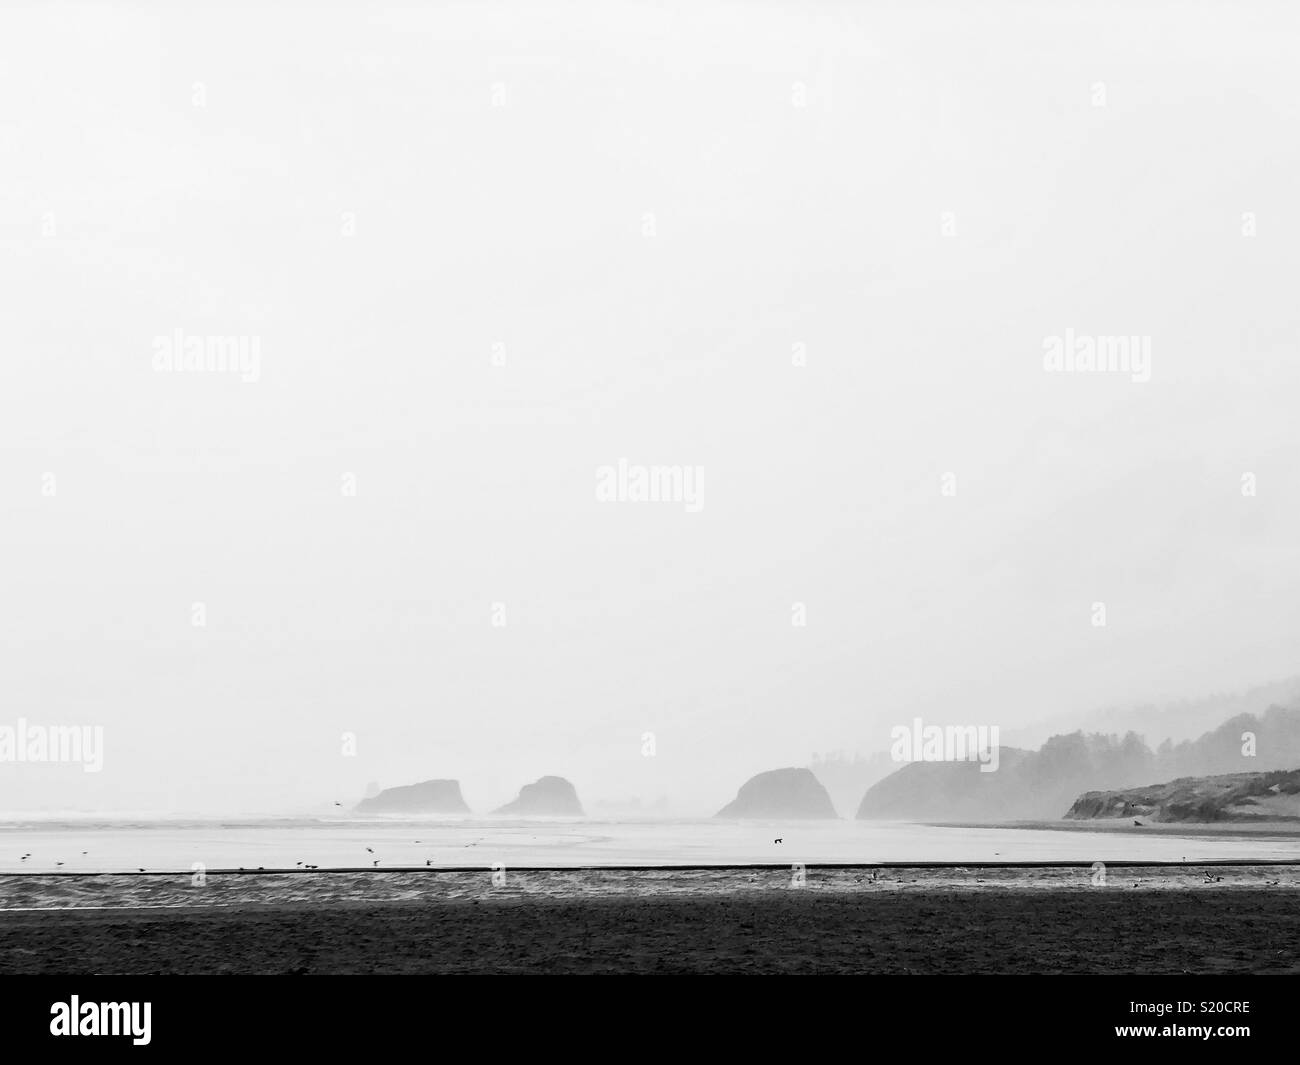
column 721, row 867
column 1124, row 826
column 969, row 920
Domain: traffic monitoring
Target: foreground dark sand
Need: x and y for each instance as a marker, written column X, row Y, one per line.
column 718, row 921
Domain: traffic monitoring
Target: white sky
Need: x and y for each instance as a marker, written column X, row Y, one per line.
column 522, row 225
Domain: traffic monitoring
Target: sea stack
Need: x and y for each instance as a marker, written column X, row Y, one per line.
column 781, row 793
column 429, row 797
column 548, row 797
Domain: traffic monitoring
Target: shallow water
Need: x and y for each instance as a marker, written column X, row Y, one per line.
column 116, row 846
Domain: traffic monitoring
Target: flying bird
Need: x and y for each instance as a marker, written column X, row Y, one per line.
column 778, row 841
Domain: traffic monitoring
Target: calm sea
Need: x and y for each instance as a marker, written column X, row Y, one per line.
column 105, row 845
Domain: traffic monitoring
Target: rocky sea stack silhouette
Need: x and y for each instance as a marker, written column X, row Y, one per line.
column 429, row 797
column 548, row 797
column 781, row 793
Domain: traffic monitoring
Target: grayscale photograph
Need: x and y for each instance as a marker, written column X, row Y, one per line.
column 559, row 488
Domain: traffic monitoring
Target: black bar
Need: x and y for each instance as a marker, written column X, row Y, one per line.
column 384, row 1016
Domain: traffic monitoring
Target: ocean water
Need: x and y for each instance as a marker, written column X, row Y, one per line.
column 162, row 845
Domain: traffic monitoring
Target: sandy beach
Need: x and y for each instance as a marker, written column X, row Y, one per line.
column 848, row 920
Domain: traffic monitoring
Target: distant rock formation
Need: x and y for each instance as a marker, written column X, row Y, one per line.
column 781, row 793
column 1230, row 797
column 429, row 797
column 548, row 797
column 1041, row 785
column 958, row 791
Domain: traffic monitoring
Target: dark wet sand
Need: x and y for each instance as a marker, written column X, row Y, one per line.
column 725, row 921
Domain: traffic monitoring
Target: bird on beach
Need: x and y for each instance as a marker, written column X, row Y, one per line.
column 1137, row 822
column 427, row 861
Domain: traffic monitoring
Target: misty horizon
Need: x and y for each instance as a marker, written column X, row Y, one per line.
column 1212, row 712
column 317, row 348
